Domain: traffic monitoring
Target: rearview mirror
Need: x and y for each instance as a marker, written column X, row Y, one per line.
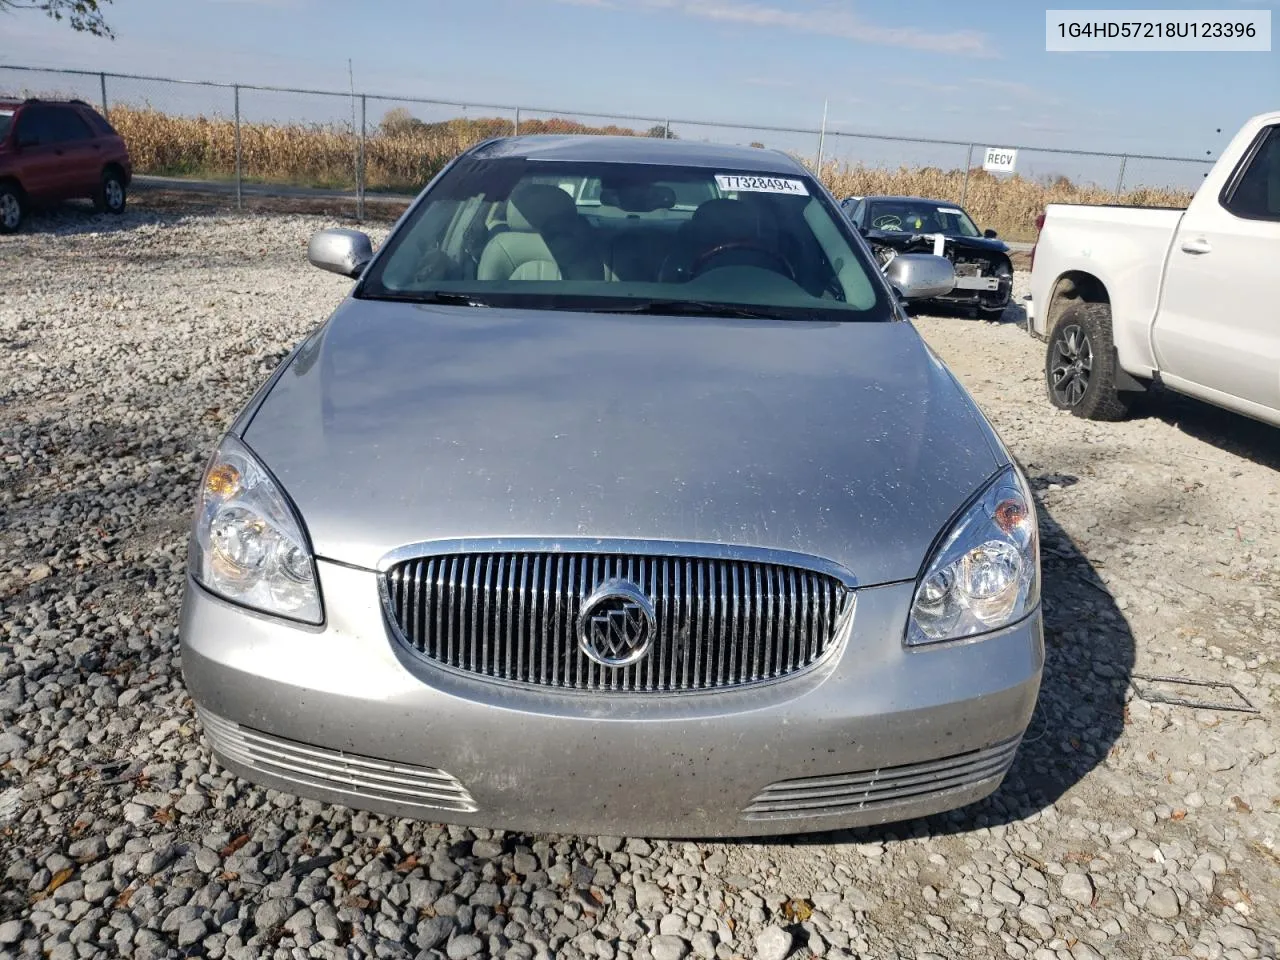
column 340, row 251
column 989, row 233
column 921, row 276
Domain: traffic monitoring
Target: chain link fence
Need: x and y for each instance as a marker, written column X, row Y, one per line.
column 364, row 144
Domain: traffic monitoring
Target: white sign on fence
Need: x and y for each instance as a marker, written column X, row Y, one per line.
column 999, row 160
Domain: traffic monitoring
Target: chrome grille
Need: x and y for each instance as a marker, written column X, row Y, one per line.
column 512, row 616
column 340, row 772
column 885, row 787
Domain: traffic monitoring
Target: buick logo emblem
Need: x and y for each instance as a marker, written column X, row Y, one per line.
column 616, row 625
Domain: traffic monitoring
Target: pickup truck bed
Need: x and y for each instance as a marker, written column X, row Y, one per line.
column 1125, row 296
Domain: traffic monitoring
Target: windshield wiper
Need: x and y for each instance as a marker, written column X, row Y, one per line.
column 696, row 308
column 433, row 296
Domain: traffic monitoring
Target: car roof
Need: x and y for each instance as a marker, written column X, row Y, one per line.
column 899, row 199
column 10, row 104
column 592, row 148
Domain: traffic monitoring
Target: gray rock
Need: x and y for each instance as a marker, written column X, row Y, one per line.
column 486, row 850
column 191, row 932
column 273, row 913
column 327, row 924
column 650, row 896
column 153, row 861
column 1232, row 936
column 1003, row 893
column 464, row 946
column 192, row 803
column 704, row 944
column 668, row 947
column 87, row 849
column 1161, row 933
column 1163, row 904
column 1077, row 887
column 11, row 931
column 435, row 931
column 524, row 863
column 773, row 943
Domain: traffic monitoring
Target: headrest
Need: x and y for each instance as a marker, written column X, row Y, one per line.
column 726, row 219
column 638, row 198
column 535, row 206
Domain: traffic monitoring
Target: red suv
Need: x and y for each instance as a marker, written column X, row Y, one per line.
column 53, row 150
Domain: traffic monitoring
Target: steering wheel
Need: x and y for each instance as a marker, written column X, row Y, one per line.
column 888, row 223
column 699, row 264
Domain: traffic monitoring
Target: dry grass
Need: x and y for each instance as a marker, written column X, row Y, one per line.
column 403, row 154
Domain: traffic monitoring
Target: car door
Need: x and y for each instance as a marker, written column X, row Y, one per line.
column 1217, row 326
column 35, row 157
column 77, row 152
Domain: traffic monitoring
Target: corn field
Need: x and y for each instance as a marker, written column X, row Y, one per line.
column 403, row 153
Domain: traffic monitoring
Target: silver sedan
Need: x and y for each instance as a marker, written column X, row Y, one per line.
column 619, row 496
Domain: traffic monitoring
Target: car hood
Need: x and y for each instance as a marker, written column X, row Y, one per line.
column 398, row 423
column 903, row 240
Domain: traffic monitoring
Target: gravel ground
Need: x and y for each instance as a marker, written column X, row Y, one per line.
column 1127, row 828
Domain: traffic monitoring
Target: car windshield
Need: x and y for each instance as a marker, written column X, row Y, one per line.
column 6, row 121
column 613, row 236
column 907, row 216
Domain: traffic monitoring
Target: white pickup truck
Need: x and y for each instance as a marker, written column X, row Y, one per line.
column 1128, row 296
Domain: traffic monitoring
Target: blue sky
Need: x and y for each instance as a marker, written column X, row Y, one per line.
column 929, row 68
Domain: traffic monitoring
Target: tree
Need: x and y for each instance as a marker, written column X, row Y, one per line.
column 83, row 16
column 399, row 122
column 659, row 132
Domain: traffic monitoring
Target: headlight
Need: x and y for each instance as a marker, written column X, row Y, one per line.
column 248, row 544
column 985, row 574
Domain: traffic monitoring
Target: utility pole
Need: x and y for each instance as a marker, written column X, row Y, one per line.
column 822, row 136
column 356, row 142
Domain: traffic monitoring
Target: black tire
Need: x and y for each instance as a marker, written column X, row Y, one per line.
column 1080, row 364
column 12, row 207
column 110, row 197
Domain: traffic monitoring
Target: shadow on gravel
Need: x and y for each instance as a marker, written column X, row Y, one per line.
column 1228, row 431
column 1089, row 658
column 74, row 218
column 1014, row 313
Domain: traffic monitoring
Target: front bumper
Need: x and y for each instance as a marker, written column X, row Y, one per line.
column 876, row 733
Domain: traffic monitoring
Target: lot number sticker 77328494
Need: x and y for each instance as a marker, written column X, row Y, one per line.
column 728, row 182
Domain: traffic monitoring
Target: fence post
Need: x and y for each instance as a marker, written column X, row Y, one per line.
column 360, row 161
column 102, row 81
column 968, row 162
column 516, row 129
column 239, row 171
column 1120, row 180
column 666, row 131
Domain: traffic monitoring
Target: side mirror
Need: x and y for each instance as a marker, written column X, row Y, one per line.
column 340, row 251
column 921, row 276
column 989, row 233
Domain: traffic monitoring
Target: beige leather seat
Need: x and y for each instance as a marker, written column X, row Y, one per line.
column 546, row 239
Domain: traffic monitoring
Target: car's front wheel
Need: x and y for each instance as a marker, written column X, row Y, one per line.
column 10, row 208
column 111, row 195
column 1080, row 364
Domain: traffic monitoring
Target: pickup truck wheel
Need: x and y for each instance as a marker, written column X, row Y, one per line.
column 1080, row 365
column 10, row 208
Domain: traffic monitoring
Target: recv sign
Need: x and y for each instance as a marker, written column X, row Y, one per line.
column 999, row 160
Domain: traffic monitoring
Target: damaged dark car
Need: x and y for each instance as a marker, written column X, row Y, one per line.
column 894, row 225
